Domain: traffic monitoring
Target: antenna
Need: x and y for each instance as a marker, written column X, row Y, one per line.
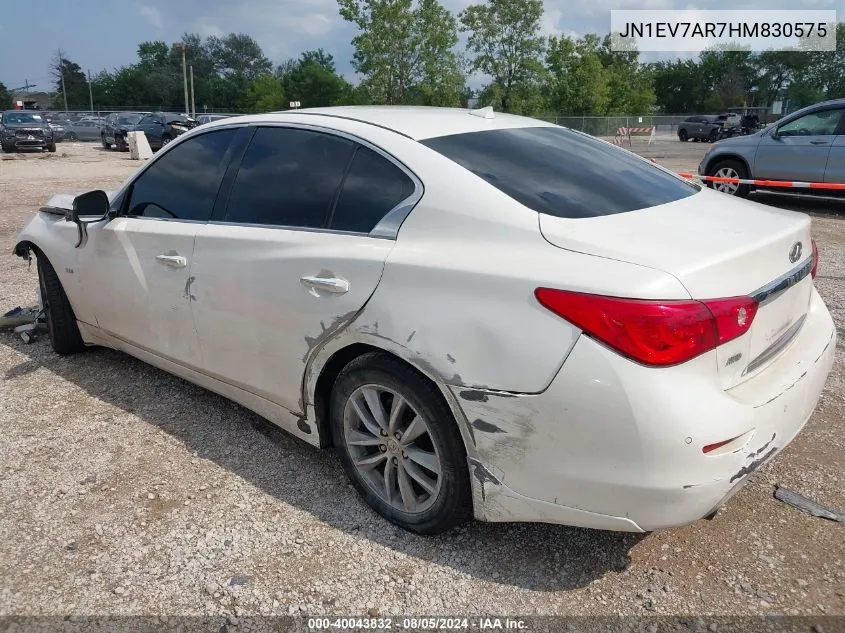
column 484, row 113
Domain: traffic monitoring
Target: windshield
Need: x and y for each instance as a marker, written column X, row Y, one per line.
column 559, row 172
column 131, row 119
column 22, row 117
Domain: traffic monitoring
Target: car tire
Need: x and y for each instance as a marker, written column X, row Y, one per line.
column 683, row 137
column 51, row 147
column 729, row 169
column 61, row 321
column 714, row 136
column 165, row 140
column 7, row 148
column 419, row 498
column 71, row 136
column 121, row 145
column 106, row 144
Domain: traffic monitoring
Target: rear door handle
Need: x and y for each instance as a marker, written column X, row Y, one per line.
column 175, row 261
column 329, row 284
column 819, row 142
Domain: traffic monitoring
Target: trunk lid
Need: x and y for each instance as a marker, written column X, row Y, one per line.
column 717, row 246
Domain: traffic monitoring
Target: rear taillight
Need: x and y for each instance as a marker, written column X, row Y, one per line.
column 815, row 267
column 658, row 333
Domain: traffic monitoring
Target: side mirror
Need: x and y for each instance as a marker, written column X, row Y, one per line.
column 94, row 203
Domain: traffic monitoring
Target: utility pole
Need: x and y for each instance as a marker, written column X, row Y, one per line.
column 62, row 73
column 26, row 85
column 193, row 104
column 90, row 92
column 185, row 78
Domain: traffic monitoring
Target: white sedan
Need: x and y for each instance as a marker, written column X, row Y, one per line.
column 485, row 315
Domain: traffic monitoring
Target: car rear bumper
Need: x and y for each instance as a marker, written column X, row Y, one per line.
column 614, row 445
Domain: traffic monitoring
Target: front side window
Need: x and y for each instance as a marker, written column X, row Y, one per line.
column 182, row 184
column 559, row 172
column 823, row 123
column 289, row 177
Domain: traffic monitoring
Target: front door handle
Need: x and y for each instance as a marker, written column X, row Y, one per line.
column 175, row 261
column 819, row 142
column 329, row 284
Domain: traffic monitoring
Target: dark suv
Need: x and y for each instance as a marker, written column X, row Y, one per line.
column 115, row 128
column 20, row 129
column 705, row 127
column 162, row 127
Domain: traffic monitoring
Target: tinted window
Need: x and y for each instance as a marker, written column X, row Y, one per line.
column 183, row 183
column 373, row 186
column 557, row 171
column 289, row 177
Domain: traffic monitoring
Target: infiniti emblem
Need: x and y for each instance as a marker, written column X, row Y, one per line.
column 795, row 252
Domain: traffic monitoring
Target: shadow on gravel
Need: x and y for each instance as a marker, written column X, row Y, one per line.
column 535, row 556
column 804, row 204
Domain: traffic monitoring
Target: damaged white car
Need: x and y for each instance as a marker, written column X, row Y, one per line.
column 485, row 315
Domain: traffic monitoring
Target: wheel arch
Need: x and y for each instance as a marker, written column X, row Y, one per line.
column 723, row 157
column 330, row 363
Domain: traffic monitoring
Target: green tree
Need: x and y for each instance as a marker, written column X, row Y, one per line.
column 238, row 54
column 5, row 97
column 504, row 43
column 75, row 82
column 313, row 81
column 679, row 86
column 265, row 94
column 578, row 83
column 404, row 50
column 440, row 79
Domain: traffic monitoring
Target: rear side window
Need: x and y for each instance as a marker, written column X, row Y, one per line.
column 372, row 187
column 289, row 177
column 562, row 173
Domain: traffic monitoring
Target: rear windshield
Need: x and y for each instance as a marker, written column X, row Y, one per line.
column 559, row 172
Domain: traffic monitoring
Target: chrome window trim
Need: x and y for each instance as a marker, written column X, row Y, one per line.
column 772, row 289
column 387, row 228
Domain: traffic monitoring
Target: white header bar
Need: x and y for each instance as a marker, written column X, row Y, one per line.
column 693, row 30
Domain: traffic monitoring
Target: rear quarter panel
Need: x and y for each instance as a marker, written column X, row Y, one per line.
column 457, row 295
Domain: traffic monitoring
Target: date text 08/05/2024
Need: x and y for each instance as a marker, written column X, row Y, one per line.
column 411, row 623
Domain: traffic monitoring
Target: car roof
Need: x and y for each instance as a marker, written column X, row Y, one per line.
column 416, row 122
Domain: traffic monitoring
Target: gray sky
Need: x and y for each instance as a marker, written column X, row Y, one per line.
column 104, row 34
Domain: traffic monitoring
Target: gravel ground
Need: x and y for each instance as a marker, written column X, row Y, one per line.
column 125, row 490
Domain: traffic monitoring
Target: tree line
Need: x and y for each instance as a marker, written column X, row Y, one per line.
column 407, row 52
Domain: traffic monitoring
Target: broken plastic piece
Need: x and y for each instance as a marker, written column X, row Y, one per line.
column 808, row 506
column 484, row 113
column 19, row 316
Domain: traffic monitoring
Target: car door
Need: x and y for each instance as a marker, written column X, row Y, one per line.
column 292, row 260
column 798, row 149
column 136, row 267
column 835, row 170
column 151, row 125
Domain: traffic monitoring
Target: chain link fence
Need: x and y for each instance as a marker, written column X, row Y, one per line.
column 665, row 125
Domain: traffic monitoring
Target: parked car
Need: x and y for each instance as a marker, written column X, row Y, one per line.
column 83, row 130
column 58, row 130
column 25, row 129
column 202, row 119
column 115, row 128
column 473, row 308
column 162, row 127
column 705, row 127
column 806, row 146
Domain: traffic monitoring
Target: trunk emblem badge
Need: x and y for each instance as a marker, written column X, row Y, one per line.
column 795, row 252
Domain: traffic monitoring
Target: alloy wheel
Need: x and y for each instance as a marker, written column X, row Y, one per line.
column 391, row 446
column 726, row 187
